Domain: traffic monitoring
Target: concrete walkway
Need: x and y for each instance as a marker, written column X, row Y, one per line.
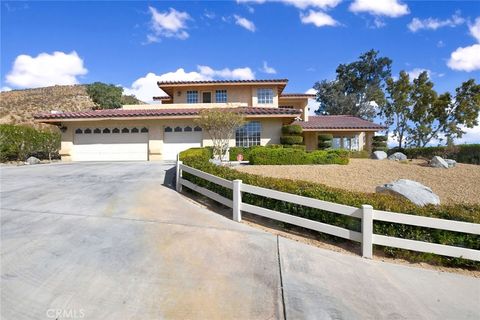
column 113, row 241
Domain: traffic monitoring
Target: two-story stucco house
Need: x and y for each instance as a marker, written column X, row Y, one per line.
column 160, row 131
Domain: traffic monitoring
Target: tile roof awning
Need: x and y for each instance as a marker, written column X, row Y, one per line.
column 298, row 95
column 338, row 122
column 160, row 113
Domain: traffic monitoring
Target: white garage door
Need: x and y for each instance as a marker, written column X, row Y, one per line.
column 110, row 144
column 180, row 138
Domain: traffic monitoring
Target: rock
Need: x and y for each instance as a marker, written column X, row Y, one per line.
column 411, row 190
column 438, row 162
column 379, row 155
column 451, row 163
column 32, row 160
column 397, row 156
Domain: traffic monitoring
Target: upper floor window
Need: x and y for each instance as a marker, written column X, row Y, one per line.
column 220, row 96
column 192, row 96
column 265, row 96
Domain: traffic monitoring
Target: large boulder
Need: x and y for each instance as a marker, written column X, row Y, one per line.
column 438, row 162
column 32, row 160
column 398, row 156
column 379, row 155
column 451, row 163
column 411, row 190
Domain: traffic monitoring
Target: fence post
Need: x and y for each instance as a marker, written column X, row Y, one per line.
column 237, row 200
column 367, row 231
column 178, row 175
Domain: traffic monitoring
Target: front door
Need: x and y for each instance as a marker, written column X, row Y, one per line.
column 206, row 97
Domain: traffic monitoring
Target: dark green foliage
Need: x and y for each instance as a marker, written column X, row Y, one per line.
column 292, row 129
column 324, row 141
column 130, row 99
column 234, row 151
column 379, row 143
column 466, row 153
column 17, row 143
column 289, row 140
column 293, row 156
column 459, row 212
column 296, row 146
column 105, row 96
column 364, row 154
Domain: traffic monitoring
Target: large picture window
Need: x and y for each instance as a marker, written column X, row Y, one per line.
column 265, row 96
column 221, row 96
column 248, row 135
column 192, row 96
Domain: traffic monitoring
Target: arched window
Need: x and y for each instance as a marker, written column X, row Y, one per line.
column 144, row 130
column 187, row 129
column 78, row 131
column 197, row 129
column 125, row 130
column 248, row 135
column 106, row 130
column 178, row 129
column 134, row 130
column 87, row 131
column 97, row 130
column 168, row 129
column 116, row 130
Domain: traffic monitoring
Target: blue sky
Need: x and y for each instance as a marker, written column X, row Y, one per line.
column 133, row 44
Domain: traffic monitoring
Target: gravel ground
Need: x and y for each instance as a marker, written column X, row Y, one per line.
column 455, row 185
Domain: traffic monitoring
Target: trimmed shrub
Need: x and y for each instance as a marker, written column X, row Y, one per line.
column 290, row 140
column 294, row 156
column 292, row 129
column 296, row 146
column 379, row 143
column 196, row 154
column 459, row 212
column 364, row 154
column 325, row 141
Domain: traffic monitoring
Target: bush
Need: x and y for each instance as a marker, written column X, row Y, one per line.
column 17, row 143
column 295, row 156
column 380, row 138
column 379, row 143
column 465, row 153
column 459, row 212
column 297, row 146
column 105, row 96
column 325, row 141
column 292, row 130
column 289, row 140
column 364, row 154
column 196, row 154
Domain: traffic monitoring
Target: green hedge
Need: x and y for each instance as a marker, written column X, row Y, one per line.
column 464, row 153
column 294, row 156
column 289, row 140
column 292, row 129
column 459, row 212
column 379, row 143
column 18, row 142
column 325, row 141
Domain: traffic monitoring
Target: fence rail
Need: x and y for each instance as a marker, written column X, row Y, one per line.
column 366, row 213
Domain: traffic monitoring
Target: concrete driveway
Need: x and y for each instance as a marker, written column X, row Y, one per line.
column 113, row 241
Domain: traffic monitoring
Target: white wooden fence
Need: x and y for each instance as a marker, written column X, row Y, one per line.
column 366, row 213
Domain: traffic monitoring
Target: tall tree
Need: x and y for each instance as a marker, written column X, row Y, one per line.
column 358, row 87
column 105, row 96
column 440, row 116
column 396, row 110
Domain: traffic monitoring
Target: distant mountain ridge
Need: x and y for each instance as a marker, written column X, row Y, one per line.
column 19, row 106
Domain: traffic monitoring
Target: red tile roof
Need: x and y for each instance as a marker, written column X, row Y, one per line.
column 337, row 122
column 299, row 95
column 221, row 81
column 154, row 113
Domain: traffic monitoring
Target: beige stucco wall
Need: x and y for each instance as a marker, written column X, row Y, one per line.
column 297, row 103
column 271, row 131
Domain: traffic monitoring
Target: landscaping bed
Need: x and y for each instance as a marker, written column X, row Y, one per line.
column 455, row 185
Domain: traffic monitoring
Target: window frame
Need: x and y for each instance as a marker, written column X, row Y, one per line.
column 263, row 98
column 220, row 94
column 192, row 94
column 248, row 135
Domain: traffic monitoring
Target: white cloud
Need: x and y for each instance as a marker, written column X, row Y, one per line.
column 389, row 8
column 145, row 88
column 318, row 18
column 465, row 59
column 475, row 29
column 169, row 24
column 301, row 4
column 267, row 69
column 244, row 23
column 472, row 135
column 4, row 89
column 433, row 23
column 414, row 73
column 46, row 70
column 311, row 91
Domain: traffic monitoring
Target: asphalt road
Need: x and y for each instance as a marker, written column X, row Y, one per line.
column 114, row 241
